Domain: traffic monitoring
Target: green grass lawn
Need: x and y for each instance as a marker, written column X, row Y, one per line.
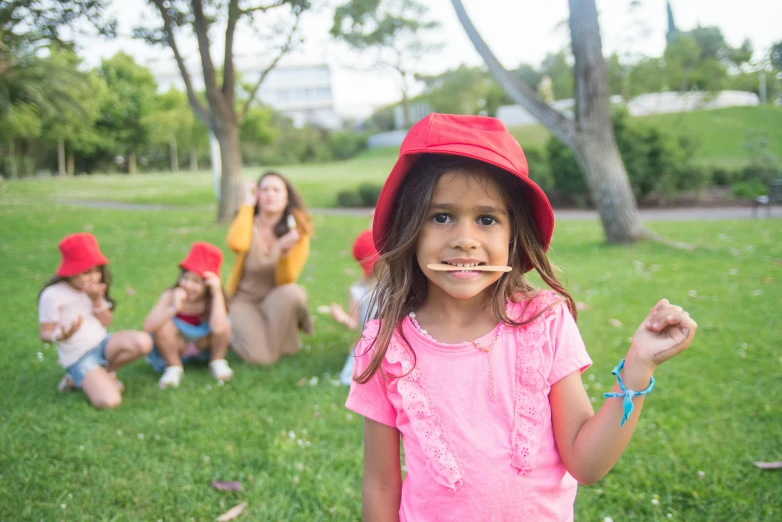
column 296, row 450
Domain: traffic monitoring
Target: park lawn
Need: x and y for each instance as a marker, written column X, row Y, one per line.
column 295, row 448
column 319, row 184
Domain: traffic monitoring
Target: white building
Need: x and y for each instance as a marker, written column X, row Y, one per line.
column 302, row 92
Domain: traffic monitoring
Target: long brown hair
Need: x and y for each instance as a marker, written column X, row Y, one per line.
column 402, row 286
column 105, row 277
column 295, row 206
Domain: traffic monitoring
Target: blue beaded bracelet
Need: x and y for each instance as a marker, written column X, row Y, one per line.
column 627, row 394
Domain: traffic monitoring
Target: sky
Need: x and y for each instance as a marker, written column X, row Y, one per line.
column 516, row 30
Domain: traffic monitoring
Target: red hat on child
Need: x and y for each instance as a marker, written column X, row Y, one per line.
column 478, row 137
column 79, row 252
column 203, row 258
column 365, row 253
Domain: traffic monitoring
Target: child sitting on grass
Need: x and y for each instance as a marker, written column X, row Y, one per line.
column 190, row 320
column 74, row 311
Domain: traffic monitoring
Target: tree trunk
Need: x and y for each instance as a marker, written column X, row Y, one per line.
column 61, row 157
column 591, row 137
column 71, row 164
column 132, row 163
column 193, row 160
column 12, row 167
column 231, row 170
column 595, row 142
column 174, row 155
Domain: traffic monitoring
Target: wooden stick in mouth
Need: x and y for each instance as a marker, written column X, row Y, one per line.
column 442, row 267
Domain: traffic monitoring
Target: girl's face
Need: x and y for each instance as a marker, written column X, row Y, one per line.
column 193, row 285
column 80, row 281
column 467, row 222
column 272, row 195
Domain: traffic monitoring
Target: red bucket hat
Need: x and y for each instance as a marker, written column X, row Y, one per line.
column 79, row 252
column 203, row 258
column 478, row 137
column 365, row 253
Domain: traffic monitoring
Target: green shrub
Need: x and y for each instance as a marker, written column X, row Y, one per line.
column 568, row 180
column 539, row 170
column 749, row 189
column 345, row 145
column 657, row 162
column 369, row 193
column 723, row 177
column 348, row 199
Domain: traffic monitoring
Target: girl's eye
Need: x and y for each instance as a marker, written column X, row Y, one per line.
column 487, row 221
column 441, row 218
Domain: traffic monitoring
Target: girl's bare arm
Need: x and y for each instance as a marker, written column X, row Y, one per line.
column 382, row 486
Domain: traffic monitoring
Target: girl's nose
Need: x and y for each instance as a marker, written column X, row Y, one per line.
column 463, row 236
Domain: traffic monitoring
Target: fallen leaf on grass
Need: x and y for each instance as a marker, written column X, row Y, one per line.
column 302, row 381
column 233, row 513
column 233, row 485
column 130, row 291
column 768, row 465
column 616, row 323
column 323, row 309
column 582, row 306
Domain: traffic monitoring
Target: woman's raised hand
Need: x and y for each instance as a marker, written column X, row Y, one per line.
column 250, row 194
column 288, row 241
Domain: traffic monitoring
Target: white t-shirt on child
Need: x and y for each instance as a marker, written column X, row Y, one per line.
column 61, row 304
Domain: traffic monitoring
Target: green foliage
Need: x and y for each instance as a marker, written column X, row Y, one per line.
column 365, row 195
column 749, row 189
column 345, row 145
column 723, row 177
column 365, row 24
column 348, row 199
column 657, row 162
column 130, row 99
column 286, row 144
column 558, row 67
column 540, row 170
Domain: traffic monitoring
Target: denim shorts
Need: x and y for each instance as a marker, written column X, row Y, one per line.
column 88, row 362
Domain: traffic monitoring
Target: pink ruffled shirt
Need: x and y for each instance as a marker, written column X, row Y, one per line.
column 468, row 457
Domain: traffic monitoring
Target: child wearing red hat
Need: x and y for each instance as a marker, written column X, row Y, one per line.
column 190, row 320
column 360, row 295
column 74, row 311
column 474, row 368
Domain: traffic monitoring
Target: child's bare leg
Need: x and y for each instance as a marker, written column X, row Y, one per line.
column 217, row 344
column 101, row 389
column 169, row 343
column 127, row 346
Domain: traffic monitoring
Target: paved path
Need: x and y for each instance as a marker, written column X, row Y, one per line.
column 657, row 214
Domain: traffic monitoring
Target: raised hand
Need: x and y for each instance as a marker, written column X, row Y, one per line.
column 666, row 332
column 67, row 333
column 212, row 281
column 95, row 291
column 250, row 194
column 178, row 298
column 288, row 241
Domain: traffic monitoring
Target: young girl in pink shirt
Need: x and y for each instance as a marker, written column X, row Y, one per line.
column 475, row 369
column 74, row 312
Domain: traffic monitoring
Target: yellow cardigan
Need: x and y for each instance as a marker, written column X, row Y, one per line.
column 239, row 238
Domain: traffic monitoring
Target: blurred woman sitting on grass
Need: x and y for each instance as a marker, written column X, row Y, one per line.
column 271, row 238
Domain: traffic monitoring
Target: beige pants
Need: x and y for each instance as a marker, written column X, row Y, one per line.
column 263, row 332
